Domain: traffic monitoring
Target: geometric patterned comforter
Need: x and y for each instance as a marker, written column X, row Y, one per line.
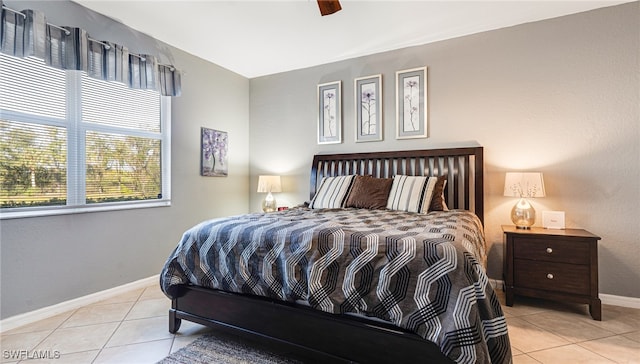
column 421, row 272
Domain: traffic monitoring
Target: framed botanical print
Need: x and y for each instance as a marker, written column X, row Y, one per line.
column 411, row 103
column 330, row 113
column 368, row 104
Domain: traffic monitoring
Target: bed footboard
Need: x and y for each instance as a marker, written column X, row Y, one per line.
column 308, row 333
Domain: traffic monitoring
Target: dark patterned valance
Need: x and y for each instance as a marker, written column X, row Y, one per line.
column 27, row 34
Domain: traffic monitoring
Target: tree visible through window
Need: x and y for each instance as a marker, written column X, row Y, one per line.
column 33, row 164
column 52, row 152
column 122, row 168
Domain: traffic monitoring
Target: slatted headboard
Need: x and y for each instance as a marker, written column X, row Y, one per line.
column 463, row 167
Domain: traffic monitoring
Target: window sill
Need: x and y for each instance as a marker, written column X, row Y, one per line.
column 19, row 213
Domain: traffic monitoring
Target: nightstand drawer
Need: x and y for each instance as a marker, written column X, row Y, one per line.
column 552, row 264
column 562, row 251
column 569, row 278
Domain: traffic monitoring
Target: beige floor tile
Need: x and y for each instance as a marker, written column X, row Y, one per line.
column 50, row 323
column 570, row 326
column 187, row 334
column 98, row 314
column 75, row 358
column 138, row 331
column 150, row 352
column 133, row 328
column 524, row 359
column 78, row 339
column 520, row 308
column 620, row 320
column 515, row 351
column 617, row 348
column 527, row 306
column 131, row 296
column 153, row 292
column 635, row 336
column 16, row 346
column 527, row 337
column 149, row 308
column 568, row 354
column 182, row 341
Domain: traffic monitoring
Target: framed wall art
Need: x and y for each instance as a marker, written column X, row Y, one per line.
column 411, row 103
column 213, row 153
column 330, row 113
column 368, row 104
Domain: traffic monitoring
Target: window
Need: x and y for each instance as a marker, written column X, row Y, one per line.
column 70, row 143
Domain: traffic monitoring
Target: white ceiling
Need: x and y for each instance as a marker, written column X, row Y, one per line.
column 256, row 38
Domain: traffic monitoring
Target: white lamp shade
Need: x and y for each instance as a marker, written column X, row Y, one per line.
column 524, row 184
column 269, row 184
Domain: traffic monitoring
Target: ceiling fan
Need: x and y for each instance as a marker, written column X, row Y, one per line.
column 328, row 7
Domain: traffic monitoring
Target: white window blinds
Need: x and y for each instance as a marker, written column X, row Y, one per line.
column 71, row 140
column 22, row 84
column 114, row 104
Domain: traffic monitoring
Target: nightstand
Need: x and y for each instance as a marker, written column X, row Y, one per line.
column 552, row 264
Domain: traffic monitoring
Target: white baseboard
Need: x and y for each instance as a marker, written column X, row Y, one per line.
column 496, row 284
column 607, row 299
column 623, row 301
column 13, row 322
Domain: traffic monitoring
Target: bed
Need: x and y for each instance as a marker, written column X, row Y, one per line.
column 342, row 279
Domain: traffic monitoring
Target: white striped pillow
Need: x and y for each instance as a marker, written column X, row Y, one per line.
column 332, row 193
column 411, row 193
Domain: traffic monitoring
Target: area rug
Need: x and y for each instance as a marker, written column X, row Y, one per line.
column 223, row 349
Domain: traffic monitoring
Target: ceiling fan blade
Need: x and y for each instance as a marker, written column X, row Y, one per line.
column 328, row 7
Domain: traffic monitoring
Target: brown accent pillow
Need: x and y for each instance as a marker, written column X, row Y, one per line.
column 369, row 192
column 437, row 200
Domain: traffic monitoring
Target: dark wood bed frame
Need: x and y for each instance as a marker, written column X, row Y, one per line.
column 316, row 336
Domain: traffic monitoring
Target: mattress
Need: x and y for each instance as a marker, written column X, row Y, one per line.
column 424, row 273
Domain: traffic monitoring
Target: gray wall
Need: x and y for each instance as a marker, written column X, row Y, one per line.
column 48, row 260
column 559, row 96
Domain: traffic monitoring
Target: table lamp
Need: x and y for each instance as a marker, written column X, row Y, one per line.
column 523, row 185
column 269, row 184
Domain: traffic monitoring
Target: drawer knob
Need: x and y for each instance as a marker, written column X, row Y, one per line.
column 550, row 276
column 549, row 250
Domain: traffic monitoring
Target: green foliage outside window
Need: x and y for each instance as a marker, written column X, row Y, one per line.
column 67, row 139
column 33, row 166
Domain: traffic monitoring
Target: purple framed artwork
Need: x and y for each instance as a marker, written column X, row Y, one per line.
column 213, row 157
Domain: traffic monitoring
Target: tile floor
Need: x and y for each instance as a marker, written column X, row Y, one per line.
column 133, row 328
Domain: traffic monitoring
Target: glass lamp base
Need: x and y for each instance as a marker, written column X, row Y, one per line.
column 523, row 214
column 269, row 203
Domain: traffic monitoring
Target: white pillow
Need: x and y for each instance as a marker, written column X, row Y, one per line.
column 332, row 193
column 411, row 193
